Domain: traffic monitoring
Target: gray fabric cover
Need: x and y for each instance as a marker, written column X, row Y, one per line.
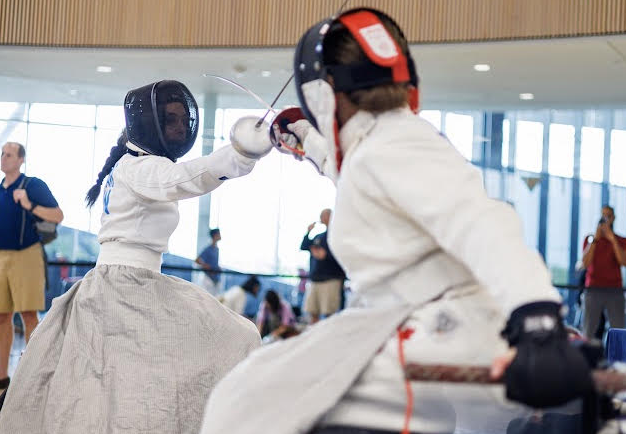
column 125, row 350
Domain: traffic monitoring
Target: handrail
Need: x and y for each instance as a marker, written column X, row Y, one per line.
column 306, row 276
column 175, row 267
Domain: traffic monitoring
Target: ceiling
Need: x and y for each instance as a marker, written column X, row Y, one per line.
column 561, row 73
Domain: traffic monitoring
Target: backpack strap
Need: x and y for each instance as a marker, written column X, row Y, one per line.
column 23, row 184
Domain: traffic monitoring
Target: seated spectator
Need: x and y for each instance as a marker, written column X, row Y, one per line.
column 275, row 315
column 236, row 296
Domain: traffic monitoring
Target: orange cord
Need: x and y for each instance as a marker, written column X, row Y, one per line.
column 404, row 335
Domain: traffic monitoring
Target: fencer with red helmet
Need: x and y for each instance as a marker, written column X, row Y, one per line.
column 318, row 78
column 436, row 267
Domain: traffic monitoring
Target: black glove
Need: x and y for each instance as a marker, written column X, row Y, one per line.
column 547, row 371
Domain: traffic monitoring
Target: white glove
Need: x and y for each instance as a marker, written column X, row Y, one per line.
column 315, row 146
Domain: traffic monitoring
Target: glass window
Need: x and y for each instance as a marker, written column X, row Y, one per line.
column 63, row 158
column 590, row 211
column 617, row 172
column 506, row 135
column 528, row 145
column 561, row 150
column 17, row 111
column 110, row 116
column 105, row 140
column 524, row 194
column 184, row 240
column 13, row 132
column 432, row 116
column 559, row 220
column 493, row 183
column 618, row 202
column 619, row 119
column 303, row 194
column 63, row 114
column 460, row 132
column 246, row 209
column 592, row 154
column 281, row 197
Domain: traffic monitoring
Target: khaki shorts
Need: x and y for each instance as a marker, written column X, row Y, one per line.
column 323, row 297
column 22, row 280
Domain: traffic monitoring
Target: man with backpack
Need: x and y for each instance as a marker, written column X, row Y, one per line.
column 24, row 203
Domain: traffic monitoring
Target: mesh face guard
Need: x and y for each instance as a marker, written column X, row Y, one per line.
column 162, row 118
column 385, row 64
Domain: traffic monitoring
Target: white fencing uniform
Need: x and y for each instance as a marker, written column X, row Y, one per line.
column 128, row 349
column 420, row 241
column 235, row 299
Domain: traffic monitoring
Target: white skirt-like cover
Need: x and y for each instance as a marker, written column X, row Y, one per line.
column 125, row 350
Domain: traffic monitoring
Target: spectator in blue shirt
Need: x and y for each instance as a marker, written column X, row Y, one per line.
column 209, row 260
column 23, row 201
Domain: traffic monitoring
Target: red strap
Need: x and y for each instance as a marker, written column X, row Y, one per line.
column 403, row 335
column 338, row 153
column 377, row 43
column 414, row 99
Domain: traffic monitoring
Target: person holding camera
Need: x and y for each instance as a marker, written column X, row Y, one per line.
column 603, row 258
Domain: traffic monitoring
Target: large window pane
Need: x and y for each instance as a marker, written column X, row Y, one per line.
column 63, row 114
column 105, row 140
column 17, row 111
column 559, row 220
column 246, row 209
column 460, row 131
column 524, row 193
column 263, row 216
column 590, row 211
column 506, row 137
column 63, row 158
column 13, row 132
column 561, row 150
column 618, row 202
column 592, row 154
column 528, row 145
column 493, row 183
column 617, row 173
column 184, row 240
column 303, row 194
column 432, row 116
column 110, row 116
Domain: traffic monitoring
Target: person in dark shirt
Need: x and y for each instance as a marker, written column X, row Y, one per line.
column 323, row 296
column 23, row 200
column 603, row 258
column 209, row 260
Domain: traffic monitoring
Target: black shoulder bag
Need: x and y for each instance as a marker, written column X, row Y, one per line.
column 47, row 231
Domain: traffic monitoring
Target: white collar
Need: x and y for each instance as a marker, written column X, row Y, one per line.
column 353, row 131
column 137, row 149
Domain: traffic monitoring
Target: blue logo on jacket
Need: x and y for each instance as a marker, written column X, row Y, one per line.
column 107, row 192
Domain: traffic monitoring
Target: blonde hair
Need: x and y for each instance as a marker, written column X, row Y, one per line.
column 340, row 48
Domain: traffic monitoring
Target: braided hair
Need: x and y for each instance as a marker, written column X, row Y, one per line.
column 117, row 152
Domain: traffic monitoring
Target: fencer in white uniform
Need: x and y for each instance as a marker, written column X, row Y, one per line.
column 128, row 349
column 436, row 265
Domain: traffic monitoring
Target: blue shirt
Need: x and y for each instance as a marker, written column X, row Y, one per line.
column 12, row 213
column 211, row 256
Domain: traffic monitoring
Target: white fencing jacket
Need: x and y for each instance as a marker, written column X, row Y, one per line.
column 412, row 221
column 140, row 201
